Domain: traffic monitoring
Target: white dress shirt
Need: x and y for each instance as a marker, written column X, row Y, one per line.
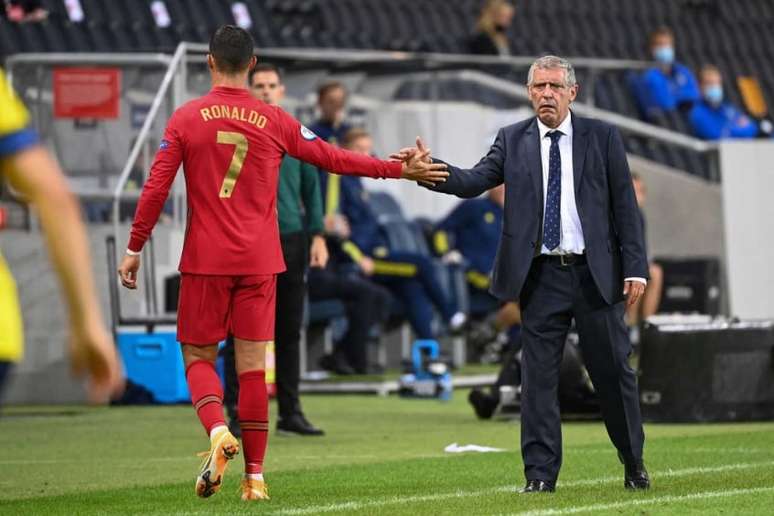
column 571, row 233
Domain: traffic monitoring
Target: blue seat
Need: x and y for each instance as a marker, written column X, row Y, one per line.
column 384, row 206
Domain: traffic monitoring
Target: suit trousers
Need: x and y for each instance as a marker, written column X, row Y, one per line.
column 552, row 296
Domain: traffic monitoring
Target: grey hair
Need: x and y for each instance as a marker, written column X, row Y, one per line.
column 552, row 63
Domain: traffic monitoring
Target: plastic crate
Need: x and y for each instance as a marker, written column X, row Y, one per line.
column 155, row 361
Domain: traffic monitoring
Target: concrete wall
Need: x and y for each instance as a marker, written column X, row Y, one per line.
column 43, row 375
column 748, row 183
column 684, row 213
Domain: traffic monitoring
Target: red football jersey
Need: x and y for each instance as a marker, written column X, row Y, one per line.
column 231, row 145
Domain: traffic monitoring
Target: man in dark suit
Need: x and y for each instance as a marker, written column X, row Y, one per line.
column 571, row 248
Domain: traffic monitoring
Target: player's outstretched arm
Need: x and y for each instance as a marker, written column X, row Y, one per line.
column 36, row 176
column 303, row 144
column 472, row 182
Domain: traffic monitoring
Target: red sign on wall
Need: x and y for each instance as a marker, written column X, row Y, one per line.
column 86, row 92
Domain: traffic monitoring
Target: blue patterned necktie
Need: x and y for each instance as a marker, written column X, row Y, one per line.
column 552, row 219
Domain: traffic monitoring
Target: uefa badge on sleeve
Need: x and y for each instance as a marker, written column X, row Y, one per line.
column 307, row 133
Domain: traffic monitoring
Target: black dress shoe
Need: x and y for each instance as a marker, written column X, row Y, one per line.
column 336, row 364
column 298, row 425
column 538, row 486
column 483, row 404
column 635, row 474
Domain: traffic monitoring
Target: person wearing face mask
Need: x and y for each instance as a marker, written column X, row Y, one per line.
column 492, row 27
column 669, row 85
column 713, row 118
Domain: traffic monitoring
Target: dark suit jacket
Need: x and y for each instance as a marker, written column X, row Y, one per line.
column 482, row 43
column 604, row 195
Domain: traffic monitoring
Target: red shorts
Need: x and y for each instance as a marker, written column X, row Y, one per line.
column 211, row 307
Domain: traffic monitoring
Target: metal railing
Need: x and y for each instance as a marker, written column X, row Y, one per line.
column 518, row 91
column 441, row 66
column 178, row 92
column 509, row 88
column 427, row 59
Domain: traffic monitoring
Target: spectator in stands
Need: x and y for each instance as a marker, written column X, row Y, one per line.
column 491, row 29
column 331, row 101
column 410, row 276
column 299, row 209
column 647, row 305
column 669, row 85
column 21, row 11
column 714, row 119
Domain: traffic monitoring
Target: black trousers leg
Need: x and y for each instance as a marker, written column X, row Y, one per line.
column 546, row 304
column 291, row 288
column 231, row 390
column 364, row 302
column 606, row 348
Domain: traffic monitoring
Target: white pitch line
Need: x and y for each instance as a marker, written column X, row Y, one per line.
column 27, row 462
column 398, row 500
column 647, row 501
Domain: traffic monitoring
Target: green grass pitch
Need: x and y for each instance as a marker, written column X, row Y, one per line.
column 380, row 456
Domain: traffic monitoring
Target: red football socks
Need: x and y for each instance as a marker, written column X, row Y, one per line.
column 253, row 406
column 206, row 393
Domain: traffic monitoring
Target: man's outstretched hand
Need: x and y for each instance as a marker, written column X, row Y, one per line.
column 418, row 166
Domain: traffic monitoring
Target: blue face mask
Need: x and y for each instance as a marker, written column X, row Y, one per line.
column 713, row 94
column 665, row 55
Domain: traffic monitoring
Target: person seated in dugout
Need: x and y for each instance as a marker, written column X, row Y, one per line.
column 470, row 233
column 408, row 276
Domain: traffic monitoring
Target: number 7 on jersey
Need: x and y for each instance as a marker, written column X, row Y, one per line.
column 237, row 160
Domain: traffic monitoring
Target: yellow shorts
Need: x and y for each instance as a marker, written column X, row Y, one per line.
column 11, row 329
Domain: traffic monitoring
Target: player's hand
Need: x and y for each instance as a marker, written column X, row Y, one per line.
column 407, row 152
column 366, row 265
column 416, row 168
column 127, row 271
column 337, row 225
column 633, row 290
column 93, row 354
column 318, row 252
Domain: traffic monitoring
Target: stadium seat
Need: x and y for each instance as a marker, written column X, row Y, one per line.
column 385, row 206
column 738, row 40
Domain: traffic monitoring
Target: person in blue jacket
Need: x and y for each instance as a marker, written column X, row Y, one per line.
column 474, row 228
column 409, row 276
column 670, row 85
column 713, row 118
